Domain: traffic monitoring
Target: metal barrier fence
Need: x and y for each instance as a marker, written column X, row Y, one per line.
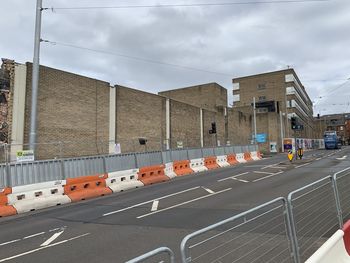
column 313, row 211
column 15, row 174
column 155, row 256
column 277, row 231
column 252, row 236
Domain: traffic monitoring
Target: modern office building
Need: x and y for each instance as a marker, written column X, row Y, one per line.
column 279, row 96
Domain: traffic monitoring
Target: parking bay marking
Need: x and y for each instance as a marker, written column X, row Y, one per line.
column 184, row 203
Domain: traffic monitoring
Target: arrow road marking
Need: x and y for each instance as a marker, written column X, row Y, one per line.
column 51, row 239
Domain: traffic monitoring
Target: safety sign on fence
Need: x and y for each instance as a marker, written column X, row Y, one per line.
column 25, row 156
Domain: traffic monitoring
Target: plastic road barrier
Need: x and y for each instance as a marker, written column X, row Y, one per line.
column 231, row 159
column 123, row 180
column 222, row 161
column 247, row 157
column 5, row 209
column 255, row 156
column 169, row 170
column 37, row 196
column 152, row 174
column 182, row 167
column 197, row 165
column 86, row 187
column 240, row 158
column 210, row 162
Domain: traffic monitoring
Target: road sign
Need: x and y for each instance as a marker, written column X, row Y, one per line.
column 261, row 137
column 290, row 155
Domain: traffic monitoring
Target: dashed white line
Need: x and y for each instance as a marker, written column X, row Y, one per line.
column 268, row 166
column 262, row 178
column 240, row 180
column 232, row 177
column 143, row 203
column 302, row 165
column 34, row 235
column 208, row 190
column 41, row 248
column 318, row 158
column 9, row 242
column 183, row 203
column 51, row 239
column 155, row 205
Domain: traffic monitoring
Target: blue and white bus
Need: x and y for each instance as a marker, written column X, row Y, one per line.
column 331, row 140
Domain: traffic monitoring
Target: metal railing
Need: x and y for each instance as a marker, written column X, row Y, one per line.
column 154, row 253
column 252, row 236
column 277, row 231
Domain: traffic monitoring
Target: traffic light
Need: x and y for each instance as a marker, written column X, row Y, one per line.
column 293, row 121
column 213, row 127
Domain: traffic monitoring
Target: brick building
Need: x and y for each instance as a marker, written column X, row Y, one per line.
column 279, row 96
column 88, row 116
column 334, row 122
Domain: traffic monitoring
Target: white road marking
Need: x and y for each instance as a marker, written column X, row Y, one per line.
column 155, row 205
column 208, row 190
column 9, row 242
column 240, row 180
column 262, row 178
column 137, row 205
column 278, row 167
column 318, row 159
column 34, row 235
column 302, row 165
column 41, row 248
column 58, row 228
column 260, row 172
column 183, row 203
column 51, row 239
column 267, row 166
column 233, row 177
column 342, row 158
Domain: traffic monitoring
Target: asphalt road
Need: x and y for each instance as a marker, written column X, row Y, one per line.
column 121, row 226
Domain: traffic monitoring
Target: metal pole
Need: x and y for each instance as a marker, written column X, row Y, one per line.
column 254, row 120
column 281, row 122
column 35, row 75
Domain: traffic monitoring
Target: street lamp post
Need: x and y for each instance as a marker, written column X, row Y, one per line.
column 35, row 75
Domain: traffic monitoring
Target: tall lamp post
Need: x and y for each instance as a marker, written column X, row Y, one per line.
column 35, row 75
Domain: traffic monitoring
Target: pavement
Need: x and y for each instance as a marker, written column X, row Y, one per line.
column 121, row 226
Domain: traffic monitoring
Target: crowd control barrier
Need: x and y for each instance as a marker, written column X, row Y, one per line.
column 86, row 187
column 123, row 180
column 31, row 197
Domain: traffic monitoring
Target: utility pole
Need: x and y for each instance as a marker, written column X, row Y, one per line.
column 254, row 120
column 35, row 75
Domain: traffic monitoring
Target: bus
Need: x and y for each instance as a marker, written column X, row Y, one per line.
column 331, row 140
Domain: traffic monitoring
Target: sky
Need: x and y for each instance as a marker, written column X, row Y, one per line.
column 161, row 48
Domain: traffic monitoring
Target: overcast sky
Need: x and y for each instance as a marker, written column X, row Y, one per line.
column 236, row 40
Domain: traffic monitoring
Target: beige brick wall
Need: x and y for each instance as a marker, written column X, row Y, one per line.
column 239, row 126
column 139, row 114
column 184, row 124
column 71, row 108
column 206, row 96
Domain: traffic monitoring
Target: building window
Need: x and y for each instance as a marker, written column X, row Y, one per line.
column 262, row 98
column 261, row 86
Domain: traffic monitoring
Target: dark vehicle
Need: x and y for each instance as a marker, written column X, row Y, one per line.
column 331, row 140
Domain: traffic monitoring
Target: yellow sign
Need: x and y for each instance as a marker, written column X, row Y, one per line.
column 290, row 156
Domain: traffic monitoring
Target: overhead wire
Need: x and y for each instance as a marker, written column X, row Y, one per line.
column 184, row 5
column 147, row 60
